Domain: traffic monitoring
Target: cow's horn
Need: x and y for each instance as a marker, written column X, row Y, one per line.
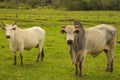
column 2, row 22
column 16, row 19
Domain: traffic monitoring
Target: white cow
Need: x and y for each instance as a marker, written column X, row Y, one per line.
column 20, row 39
column 93, row 40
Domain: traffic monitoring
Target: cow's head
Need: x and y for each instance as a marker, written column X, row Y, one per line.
column 75, row 38
column 70, row 31
column 9, row 28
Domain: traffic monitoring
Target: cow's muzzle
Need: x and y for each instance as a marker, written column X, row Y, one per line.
column 69, row 42
column 8, row 36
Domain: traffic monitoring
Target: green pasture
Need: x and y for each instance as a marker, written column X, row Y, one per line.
column 57, row 64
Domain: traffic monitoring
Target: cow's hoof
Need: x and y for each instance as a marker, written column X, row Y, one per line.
column 107, row 69
column 41, row 59
column 21, row 64
column 14, row 64
column 80, row 75
column 110, row 70
column 37, row 60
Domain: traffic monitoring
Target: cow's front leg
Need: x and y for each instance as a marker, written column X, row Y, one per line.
column 14, row 63
column 81, row 65
column 76, row 66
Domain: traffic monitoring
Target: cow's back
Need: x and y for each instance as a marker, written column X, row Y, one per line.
column 97, row 37
column 32, row 36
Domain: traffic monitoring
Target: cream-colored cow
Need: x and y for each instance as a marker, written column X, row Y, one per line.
column 93, row 40
column 20, row 39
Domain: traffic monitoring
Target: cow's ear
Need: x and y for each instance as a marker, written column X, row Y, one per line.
column 3, row 28
column 13, row 28
column 63, row 31
column 77, row 31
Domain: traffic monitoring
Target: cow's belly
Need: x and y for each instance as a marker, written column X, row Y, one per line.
column 30, row 44
column 95, row 50
column 96, row 45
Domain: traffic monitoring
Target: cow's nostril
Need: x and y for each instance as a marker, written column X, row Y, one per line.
column 8, row 36
column 69, row 41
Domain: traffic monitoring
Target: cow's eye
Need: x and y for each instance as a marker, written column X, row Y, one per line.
column 76, row 31
column 13, row 29
column 63, row 31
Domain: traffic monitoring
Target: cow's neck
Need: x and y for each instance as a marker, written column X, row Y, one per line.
column 79, row 42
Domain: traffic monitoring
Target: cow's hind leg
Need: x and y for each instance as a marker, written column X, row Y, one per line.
column 38, row 57
column 42, row 55
column 111, row 55
column 40, row 52
column 110, row 58
column 111, row 43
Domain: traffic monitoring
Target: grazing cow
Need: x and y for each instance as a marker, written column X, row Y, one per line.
column 92, row 40
column 20, row 39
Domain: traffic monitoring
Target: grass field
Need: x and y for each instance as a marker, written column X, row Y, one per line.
column 56, row 65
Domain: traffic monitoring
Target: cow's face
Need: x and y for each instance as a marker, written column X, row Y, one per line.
column 8, row 29
column 70, row 31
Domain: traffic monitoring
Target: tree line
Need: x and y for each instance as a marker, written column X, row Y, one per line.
column 63, row 4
